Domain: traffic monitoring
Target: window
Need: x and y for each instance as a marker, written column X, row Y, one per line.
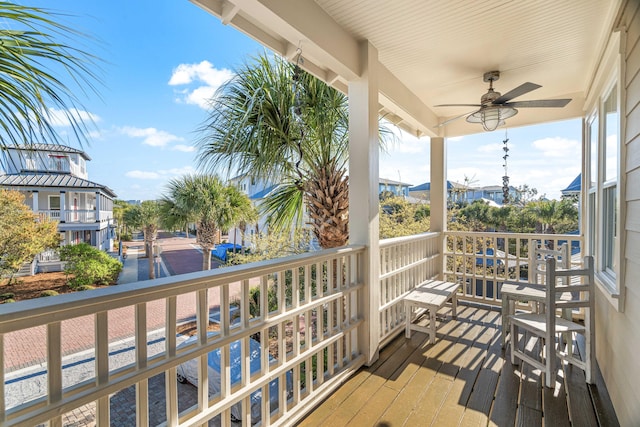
column 592, row 135
column 603, row 147
column 58, row 163
column 30, row 160
column 609, row 183
column 54, row 203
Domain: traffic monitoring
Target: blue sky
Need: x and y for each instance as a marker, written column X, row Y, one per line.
column 162, row 59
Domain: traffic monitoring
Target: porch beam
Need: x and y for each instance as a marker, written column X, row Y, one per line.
column 280, row 25
column 438, row 193
column 363, row 191
column 329, row 51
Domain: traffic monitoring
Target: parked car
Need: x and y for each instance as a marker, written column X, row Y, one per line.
column 221, row 250
column 188, row 372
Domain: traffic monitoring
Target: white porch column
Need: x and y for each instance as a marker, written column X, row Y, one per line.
column 34, row 200
column 63, row 206
column 438, row 194
column 98, row 206
column 363, row 191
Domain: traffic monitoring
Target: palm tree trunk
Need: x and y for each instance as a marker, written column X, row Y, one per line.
column 152, row 270
column 206, row 259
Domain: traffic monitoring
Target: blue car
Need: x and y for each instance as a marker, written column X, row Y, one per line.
column 188, row 372
column 489, row 261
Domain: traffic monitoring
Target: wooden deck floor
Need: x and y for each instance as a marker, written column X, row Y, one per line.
column 462, row 379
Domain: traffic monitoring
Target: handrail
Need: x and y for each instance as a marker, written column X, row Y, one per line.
column 330, row 318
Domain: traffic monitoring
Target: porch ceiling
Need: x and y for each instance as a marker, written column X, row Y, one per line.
column 435, row 51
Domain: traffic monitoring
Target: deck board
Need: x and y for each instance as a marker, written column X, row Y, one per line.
column 462, row 379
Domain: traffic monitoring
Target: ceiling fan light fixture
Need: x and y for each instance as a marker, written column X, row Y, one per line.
column 492, row 116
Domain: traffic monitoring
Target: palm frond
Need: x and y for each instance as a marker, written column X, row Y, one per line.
column 37, row 56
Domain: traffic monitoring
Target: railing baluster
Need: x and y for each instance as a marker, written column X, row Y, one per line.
column 245, row 304
column 331, row 312
column 171, row 386
column 202, row 320
column 54, row 368
column 142, row 387
column 3, row 403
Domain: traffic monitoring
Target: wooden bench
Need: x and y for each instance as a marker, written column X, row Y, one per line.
column 430, row 296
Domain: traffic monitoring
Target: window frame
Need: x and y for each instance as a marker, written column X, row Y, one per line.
column 59, row 202
column 601, row 201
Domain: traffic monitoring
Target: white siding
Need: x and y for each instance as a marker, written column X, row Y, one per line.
column 617, row 333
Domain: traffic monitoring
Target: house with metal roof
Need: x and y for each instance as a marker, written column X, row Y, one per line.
column 55, row 183
column 574, row 188
column 461, row 193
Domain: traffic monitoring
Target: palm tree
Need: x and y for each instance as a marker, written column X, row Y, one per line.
column 274, row 122
column 498, row 217
column 173, row 217
column 211, row 204
column 32, row 48
column 550, row 213
column 146, row 217
column 247, row 215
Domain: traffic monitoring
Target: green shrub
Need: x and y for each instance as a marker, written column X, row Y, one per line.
column 126, row 237
column 85, row 288
column 89, row 266
column 7, row 295
column 48, row 293
column 8, row 301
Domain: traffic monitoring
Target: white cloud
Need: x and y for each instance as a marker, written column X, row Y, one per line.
column 201, row 96
column 490, row 148
column 186, row 170
column 557, row 147
column 142, row 175
column 203, row 78
column 61, row 117
column 161, row 173
column 455, row 138
column 184, row 148
column 150, row 136
column 409, row 147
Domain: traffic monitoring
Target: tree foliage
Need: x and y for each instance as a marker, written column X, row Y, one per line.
column 146, row 217
column 274, row 122
column 89, row 266
column 542, row 216
column 37, row 57
column 207, row 201
column 22, row 234
column 398, row 218
column 273, row 245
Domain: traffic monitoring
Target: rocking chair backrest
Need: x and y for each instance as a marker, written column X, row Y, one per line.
column 538, row 255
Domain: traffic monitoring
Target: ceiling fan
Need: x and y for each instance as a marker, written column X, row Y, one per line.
column 494, row 107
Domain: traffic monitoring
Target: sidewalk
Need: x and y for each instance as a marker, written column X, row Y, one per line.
column 25, row 351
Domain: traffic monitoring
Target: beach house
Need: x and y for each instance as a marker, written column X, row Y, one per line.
column 340, row 334
column 55, row 182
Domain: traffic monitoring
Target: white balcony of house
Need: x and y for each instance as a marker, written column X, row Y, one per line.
column 72, row 216
column 275, row 339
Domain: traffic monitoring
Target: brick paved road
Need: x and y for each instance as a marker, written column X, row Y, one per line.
column 27, row 349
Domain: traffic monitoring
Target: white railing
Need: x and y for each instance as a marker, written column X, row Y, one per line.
column 49, row 214
column 50, row 255
column 81, row 216
column 482, row 261
column 405, row 262
column 306, row 314
column 106, row 215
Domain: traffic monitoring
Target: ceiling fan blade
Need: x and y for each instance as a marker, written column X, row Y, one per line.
column 458, row 105
column 446, row 122
column 544, row 103
column 514, row 93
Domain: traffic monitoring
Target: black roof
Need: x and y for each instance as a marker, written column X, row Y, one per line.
column 51, row 180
